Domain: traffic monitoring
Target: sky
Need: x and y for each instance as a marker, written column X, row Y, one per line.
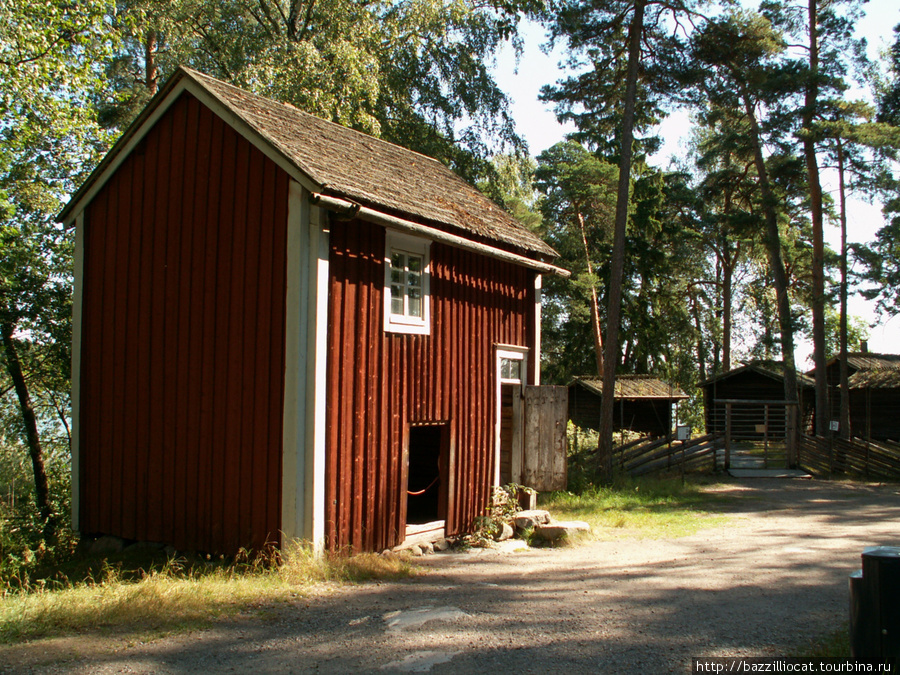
column 537, row 123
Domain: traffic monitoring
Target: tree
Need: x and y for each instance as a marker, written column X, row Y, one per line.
column 728, row 199
column 578, row 206
column 881, row 259
column 741, row 53
column 48, row 140
column 828, row 28
column 859, row 150
column 630, row 55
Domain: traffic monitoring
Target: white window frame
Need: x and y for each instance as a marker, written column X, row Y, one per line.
column 403, row 323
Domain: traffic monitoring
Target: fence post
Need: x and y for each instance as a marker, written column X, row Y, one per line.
column 727, row 436
column 766, row 436
column 868, row 443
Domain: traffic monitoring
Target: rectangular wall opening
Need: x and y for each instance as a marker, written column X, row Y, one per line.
column 427, row 482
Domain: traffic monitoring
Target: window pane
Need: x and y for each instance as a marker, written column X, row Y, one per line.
column 413, row 279
column 504, row 369
column 415, row 302
column 515, row 369
column 415, row 263
column 396, row 299
column 396, row 275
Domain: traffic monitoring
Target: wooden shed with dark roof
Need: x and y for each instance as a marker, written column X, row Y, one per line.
column 758, row 385
column 874, row 384
column 642, row 403
column 286, row 329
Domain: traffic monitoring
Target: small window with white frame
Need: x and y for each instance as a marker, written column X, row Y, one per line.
column 511, row 362
column 407, row 301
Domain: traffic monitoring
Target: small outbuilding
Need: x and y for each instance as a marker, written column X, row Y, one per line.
column 287, row 329
column 642, row 403
column 874, row 385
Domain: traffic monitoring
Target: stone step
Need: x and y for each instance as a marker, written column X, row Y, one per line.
column 527, row 520
column 554, row 531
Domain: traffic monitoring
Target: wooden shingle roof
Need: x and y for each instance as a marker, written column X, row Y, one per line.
column 871, row 371
column 870, row 361
column 884, row 378
column 767, row 368
column 349, row 164
column 634, row 387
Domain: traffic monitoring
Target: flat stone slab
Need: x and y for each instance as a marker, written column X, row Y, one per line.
column 420, row 662
column 768, row 473
column 526, row 520
column 401, row 620
column 558, row 530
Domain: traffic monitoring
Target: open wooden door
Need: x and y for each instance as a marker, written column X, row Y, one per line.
column 545, row 412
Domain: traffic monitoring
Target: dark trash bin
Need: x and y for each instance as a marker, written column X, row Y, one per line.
column 875, row 606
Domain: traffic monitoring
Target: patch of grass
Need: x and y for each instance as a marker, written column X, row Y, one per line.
column 644, row 507
column 146, row 603
column 834, row 645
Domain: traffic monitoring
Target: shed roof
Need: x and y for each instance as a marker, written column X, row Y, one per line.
column 875, row 378
column 764, row 367
column 868, row 361
column 347, row 163
column 870, row 371
column 634, row 387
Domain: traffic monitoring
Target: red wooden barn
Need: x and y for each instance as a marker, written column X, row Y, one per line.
column 285, row 329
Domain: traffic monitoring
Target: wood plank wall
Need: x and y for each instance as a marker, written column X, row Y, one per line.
column 183, row 337
column 379, row 382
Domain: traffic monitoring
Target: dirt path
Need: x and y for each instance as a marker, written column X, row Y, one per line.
column 768, row 582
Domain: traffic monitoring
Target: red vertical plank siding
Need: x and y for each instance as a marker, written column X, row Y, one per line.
column 208, row 444
column 193, row 266
column 170, row 306
column 132, row 481
column 184, row 473
column 183, row 340
column 277, row 272
column 378, row 383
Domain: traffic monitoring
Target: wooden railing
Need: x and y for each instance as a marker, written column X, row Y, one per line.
column 820, row 456
column 646, row 455
column 857, row 456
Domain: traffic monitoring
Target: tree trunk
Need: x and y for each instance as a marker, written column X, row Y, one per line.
column 729, row 262
column 41, row 485
column 823, row 414
column 698, row 326
column 595, row 303
column 844, row 369
column 151, row 69
column 727, row 292
column 779, row 275
column 617, row 264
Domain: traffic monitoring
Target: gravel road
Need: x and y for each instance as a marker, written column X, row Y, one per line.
column 765, row 584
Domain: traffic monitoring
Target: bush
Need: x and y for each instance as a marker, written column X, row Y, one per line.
column 23, row 550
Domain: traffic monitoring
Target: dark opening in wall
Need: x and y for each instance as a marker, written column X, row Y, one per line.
column 427, row 482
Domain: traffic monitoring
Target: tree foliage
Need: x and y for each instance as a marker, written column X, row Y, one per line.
column 414, row 72
column 882, row 258
column 49, row 139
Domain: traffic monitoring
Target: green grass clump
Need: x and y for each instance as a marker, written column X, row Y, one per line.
column 833, row 645
column 177, row 595
column 643, row 507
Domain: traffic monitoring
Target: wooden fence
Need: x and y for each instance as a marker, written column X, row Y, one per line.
column 871, row 459
column 820, row 456
column 646, row 455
